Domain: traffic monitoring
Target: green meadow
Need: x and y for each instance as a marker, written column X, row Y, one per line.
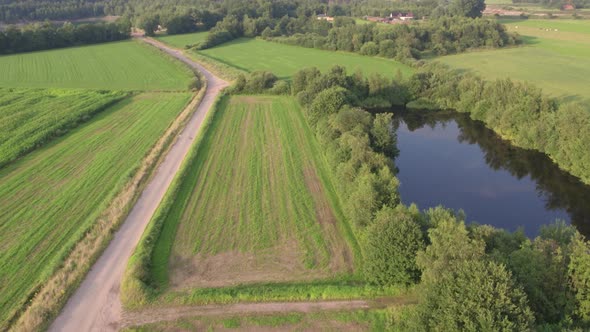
column 284, row 60
column 126, row 65
column 554, row 57
column 255, row 205
column 51, row 197
column 32, row 117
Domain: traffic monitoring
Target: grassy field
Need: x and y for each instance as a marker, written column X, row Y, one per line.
column 357, row 320
column 256, row 204
column 50, row 197
column 31, row 117
column 556, row 61
column 180, row 41
column 285, row 60
column 126, row 65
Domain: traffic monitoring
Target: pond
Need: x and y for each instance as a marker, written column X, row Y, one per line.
column 448, row 159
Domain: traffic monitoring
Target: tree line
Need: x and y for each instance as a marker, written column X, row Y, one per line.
column 516, row 111
column 467, row 276
column 43, row 36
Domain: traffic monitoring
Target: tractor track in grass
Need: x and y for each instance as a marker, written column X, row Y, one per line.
column 96, row 304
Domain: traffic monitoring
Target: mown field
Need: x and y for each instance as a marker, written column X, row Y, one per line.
column 180, row 41
column 126, row 65
column 31, row 117
column 256, row 204
column 284, row 60
column 554, row 58
column 51, row 196
column 358, row 320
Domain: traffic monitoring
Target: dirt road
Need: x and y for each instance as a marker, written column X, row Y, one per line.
column 96, row 305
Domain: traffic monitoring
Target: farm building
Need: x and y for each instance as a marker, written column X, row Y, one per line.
column 325, row 17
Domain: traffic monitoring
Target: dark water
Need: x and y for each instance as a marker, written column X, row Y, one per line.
column 449, row 159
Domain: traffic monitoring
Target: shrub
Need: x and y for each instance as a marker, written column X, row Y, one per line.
column 391, row 245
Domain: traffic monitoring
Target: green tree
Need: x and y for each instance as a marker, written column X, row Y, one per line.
column 579, row 271
column 467, row 8
column 392, row 241
column 475, row 295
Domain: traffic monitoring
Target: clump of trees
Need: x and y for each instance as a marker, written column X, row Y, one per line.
column 47, row 36
column 441, row 36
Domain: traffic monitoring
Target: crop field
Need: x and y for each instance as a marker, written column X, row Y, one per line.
column 51, row 196
column 30, row 117
column 284, row 60
column 126, row 65
column 180, row 41
column 256, row 204
column 554, row 58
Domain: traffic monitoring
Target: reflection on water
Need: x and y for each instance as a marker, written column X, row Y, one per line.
column 449, row 159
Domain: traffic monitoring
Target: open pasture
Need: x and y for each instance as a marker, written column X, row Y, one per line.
column 256, row 204
column 51, row 196
column 182, row 40
column 556, row 61
column 284, row 60
column 31, row 117
column 126, row 65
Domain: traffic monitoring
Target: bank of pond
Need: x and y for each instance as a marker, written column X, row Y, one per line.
column 448, row 159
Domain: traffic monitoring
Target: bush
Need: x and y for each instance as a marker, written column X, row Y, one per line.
column 214, row 38
column 390, row 248
column 370, row 48
column 281, row 88
column 195, row 84
column 327, row 102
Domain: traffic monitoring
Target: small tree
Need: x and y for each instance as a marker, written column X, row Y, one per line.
column 390, row 248
column 579, row 271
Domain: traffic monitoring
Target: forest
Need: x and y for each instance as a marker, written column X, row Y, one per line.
column 43, row 36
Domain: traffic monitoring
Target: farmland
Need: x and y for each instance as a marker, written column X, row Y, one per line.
column 554, row 58
column 51, row 196
column 284, row 60
column 356, row 320
column 126, row 65
column 30, row 117
column 182, row 40
column 284, row 222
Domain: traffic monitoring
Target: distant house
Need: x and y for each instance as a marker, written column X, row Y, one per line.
column 325, row 17
column 376, row 19
column 568, row 6
column 401, row 16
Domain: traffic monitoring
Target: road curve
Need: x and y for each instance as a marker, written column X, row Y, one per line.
column 96, row 305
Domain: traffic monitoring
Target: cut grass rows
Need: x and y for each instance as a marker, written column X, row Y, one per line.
column 245, row 211
column 126, row 65
column 31, row 117
column 50, row 197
